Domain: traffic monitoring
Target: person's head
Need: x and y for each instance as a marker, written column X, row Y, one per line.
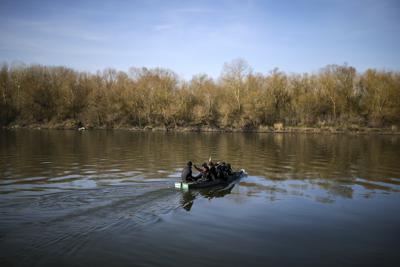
column 223, row 163
column 189, row 163
column 205, row 166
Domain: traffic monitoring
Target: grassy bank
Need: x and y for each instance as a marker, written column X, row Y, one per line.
column 352, row 129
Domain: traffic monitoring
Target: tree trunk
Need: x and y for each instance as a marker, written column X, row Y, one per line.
column 334, row 107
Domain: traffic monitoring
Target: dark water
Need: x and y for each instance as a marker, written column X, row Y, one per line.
column 106, row 198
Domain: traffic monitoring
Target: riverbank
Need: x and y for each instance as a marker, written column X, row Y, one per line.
column 353, row 129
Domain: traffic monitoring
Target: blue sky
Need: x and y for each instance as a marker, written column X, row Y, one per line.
column 193, row 37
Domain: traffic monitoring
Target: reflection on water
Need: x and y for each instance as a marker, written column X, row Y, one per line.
column 107, row 198
column 188, row 196
column 60, row 160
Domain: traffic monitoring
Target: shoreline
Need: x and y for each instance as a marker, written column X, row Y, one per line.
column 354, row 130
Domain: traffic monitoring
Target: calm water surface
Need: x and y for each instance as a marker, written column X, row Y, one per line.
column 106, row 198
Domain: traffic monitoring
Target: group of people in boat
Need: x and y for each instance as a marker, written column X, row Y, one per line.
column 208, row 171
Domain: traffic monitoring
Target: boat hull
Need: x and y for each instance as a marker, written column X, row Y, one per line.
column 206, row 184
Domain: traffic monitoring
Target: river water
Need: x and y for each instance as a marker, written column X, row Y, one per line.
column 107, row 198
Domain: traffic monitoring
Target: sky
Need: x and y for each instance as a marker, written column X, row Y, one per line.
column 192, row 37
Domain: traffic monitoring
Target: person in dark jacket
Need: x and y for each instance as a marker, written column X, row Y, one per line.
column 229, row 169
column 187, row 175
column 222, row 171
column 204, row 171
column 213, row 171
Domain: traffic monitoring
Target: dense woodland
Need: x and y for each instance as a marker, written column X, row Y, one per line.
column 336, row 95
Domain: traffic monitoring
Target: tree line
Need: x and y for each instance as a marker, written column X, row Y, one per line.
column 336, row 95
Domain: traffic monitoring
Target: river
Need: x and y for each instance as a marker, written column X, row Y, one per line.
column 107, row 198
